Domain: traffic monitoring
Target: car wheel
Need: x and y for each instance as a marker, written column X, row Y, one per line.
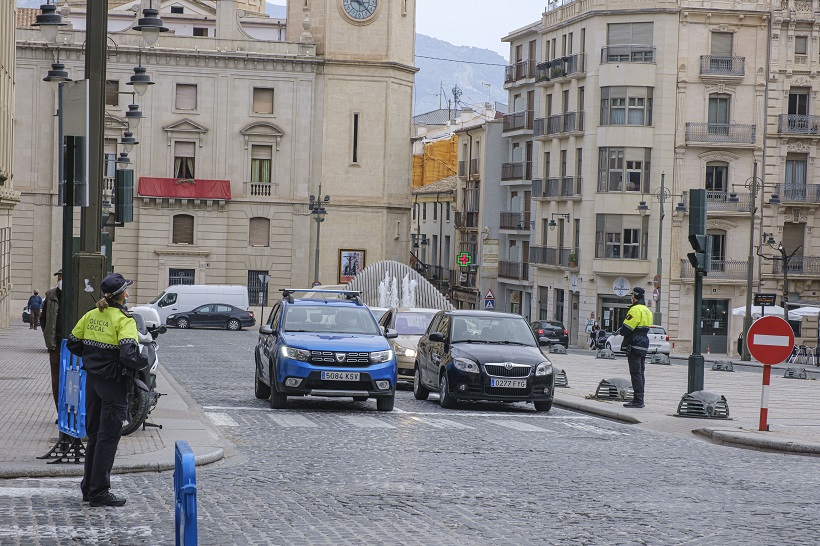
column 260, row 390
column 445, row 398
column 385, row 404
column 359, row 398
column 543, row 405
column 234, row 324
column 183, row 323
column 277, row 400
column 420, row 392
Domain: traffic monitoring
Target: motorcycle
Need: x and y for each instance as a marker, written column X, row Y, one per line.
column 142, row 384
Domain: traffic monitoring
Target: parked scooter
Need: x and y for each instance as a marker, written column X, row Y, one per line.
column 142, row 385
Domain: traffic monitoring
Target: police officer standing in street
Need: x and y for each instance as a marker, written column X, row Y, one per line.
column 106, row 339
column 636, row 343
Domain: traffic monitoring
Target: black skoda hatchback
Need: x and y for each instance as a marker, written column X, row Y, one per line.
column 482, row 355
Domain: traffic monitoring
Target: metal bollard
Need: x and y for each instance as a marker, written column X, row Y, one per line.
column 185, row 494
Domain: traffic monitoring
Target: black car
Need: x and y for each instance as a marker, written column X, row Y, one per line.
column 482, row 355
column 550, row 332
column 213, row 315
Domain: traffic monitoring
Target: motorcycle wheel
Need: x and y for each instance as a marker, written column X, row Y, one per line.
column 138, row 401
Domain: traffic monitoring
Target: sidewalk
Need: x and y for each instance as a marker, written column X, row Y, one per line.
column 28, row 416
column 794, row 404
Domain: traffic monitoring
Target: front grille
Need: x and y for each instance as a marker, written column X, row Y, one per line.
column 328, row 358
column 516, row 370
column 503, row 391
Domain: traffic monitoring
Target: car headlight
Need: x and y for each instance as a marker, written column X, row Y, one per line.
column 405, row 351
column 295, row 354
column 466, row 365
column 172, row 316
column 545, row 368
column 381, row 356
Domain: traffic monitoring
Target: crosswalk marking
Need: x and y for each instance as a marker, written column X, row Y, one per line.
column 293, row 421
column 442, row 423
column 595, row 430
column 222, row 419
column 366, row 422
column 518, row 425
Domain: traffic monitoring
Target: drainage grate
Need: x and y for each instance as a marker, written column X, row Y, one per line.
column 723, row 366
column 660, row 358
column 614, row 388
column 561, row 378
column 703, row 404
column 796, row 373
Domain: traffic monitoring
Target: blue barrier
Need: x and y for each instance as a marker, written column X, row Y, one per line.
column 185, row 494
column 71, row 415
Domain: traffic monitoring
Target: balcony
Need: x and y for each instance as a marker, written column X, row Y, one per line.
column 721, row 133
column 557, row 188
column 798, row 193
column 627, row 53
column 462, row 168
column 792, row 124
column 519, row 170
column 559, row 124
column 719, row 66
column 736, row 270
column 521, row 70
column 721, row 201
column 515, row 220
column 553, row 256
column 466, row 220
column 799, row 266
column 519, row 121
column 513, row 270
column 185, row 189
column 259, row 189
column 562, row 67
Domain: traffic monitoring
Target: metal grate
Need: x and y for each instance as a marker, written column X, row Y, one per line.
column 796, row 373
column 561, row 378
column 257, row 290
column 614, row 388
column 504, row 391
column 181, row 276
column 723, row 366
column 703, row 404
column 514, row 370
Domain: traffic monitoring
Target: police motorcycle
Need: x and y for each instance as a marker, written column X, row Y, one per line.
column 142, row 384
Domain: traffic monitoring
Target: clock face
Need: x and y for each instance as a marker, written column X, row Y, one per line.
column 360, row 9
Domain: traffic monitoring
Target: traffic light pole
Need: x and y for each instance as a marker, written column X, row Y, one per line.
column 701, row 262
column 695, row 376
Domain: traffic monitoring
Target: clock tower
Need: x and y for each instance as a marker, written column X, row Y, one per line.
column 362, row 152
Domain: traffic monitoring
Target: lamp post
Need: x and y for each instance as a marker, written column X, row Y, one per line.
column 317, row 209
column 552, row 225
column 785, row 257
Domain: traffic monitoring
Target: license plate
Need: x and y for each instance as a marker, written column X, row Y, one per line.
column 340, row 376
column 509, row 383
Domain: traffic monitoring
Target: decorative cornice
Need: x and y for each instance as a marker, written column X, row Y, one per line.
column 181, row 252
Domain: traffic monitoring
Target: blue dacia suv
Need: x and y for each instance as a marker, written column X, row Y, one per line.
column 329, row 345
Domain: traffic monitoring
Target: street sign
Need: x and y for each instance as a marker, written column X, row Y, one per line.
column 770, row 340
column 655, row 294
column 490, row 295
column 765, row 299
column 489, row 304
column 656, row 282
column 464, row 259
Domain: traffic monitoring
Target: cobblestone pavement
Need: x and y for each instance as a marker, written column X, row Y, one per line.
column 339, row 472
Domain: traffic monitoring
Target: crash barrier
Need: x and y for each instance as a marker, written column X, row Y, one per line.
column 185, row 494
column 561, row 378
column 558, row 349
column 796, row 373
column 660, row 358
column 605, row 353
column 703, row 405
column 614, row 388
column 723, row 366
column 71, row 411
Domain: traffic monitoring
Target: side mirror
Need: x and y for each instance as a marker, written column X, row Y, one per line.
column 265, row 330
column 389, row 333
column 437, row 337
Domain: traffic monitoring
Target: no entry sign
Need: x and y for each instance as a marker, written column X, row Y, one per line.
column 770, row 340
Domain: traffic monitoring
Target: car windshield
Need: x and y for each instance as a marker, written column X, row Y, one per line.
column 476, row 329
column 412, row 323
column 330, row 319
column 155, row 300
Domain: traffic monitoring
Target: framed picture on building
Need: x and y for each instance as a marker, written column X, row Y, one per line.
column 351, row 262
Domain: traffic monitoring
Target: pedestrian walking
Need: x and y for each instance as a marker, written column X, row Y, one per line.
column 34, row 305
column 106, row 339
column 636, row 343
column 51, row 321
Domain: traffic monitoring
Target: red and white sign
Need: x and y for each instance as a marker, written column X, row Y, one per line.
column 770, row 340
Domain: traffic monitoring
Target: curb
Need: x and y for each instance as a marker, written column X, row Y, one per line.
column 595, row 410
column 753, row 440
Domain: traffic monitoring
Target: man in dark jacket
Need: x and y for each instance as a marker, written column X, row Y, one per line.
column 636, row 343
column 51, row 321
column 34, row 305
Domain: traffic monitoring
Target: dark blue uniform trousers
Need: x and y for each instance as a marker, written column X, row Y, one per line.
column 105, row 403
column 637, row 368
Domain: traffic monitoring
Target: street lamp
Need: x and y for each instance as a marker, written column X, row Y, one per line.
column 57, row 74
column 49, row 21
column 552, row 224
column 784, row 257
column 316, row 205
column 150, row 25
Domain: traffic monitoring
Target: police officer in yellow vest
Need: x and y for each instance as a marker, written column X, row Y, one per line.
column 636, row 343
column 106, row 339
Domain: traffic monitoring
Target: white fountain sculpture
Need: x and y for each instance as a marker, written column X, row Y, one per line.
column 408, row 291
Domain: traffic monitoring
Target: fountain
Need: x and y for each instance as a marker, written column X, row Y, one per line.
column 408, row 291
column 389, row 289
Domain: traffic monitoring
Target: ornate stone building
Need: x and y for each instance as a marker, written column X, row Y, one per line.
column 238, row 134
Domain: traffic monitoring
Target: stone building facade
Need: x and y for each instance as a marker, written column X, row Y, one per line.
column 238, row 134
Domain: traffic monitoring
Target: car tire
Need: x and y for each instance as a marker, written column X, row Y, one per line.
column 542, row 405
column 260, row 390
column 385, row 404
column 183, row 323
column 277, row 400
column 420, row 392
column 359, row 398
column 445, row 398
column 234, row 325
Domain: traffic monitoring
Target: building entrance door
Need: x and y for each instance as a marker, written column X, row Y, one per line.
column 714, row 326
column 613, row 311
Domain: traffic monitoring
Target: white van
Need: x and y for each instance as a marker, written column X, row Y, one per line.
column 185, row 297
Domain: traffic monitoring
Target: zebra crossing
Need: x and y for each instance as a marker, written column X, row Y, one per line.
column 227, row 416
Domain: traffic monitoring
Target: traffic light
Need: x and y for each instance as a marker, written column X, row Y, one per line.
column 124, row 196
column 701, row 258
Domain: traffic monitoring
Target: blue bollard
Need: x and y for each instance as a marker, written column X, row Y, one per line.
column 185, row 494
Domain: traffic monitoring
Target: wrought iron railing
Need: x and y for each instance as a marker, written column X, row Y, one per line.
column 518, row 170
column 519, row 71
column 720, row 132
column 543, row 255
column 466, row 220
column 721, row 269
column 794, row 124
column 561, row 67
column 627, row 53
column 799, row 265
column 798, row 193
column 513, row 270
column 515, row 220
column 719, row 65
column 518, row 121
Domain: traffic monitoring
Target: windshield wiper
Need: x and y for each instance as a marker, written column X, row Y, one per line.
column 510, row 343
column 470, row 341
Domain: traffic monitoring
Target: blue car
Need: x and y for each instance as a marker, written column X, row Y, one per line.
column 329, row 345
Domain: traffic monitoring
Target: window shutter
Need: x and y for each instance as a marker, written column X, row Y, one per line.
column 112, row 95
column 260, row 152
column 642, row 34
column 722, row 44
column 619, row 33
column 183, row 229
column 186, row 96
column 262, row 100
column 259, row 232
column 184, row 149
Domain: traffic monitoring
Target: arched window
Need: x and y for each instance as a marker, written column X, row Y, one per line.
column 259, row 232
column 183, row 229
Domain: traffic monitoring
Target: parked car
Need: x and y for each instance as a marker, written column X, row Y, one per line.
column 658, row 341
column 482, row 355
column 324, row 347
column 410, row 323
column 550, row 332
column 213, row 315
column 378, row 312
column 181, row 298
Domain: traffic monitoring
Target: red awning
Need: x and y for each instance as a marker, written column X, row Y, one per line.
column 184, row 188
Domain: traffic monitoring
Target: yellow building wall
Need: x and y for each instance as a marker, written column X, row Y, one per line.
column 439, row 160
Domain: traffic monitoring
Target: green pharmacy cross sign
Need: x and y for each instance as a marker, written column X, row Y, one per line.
column 464, row 259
